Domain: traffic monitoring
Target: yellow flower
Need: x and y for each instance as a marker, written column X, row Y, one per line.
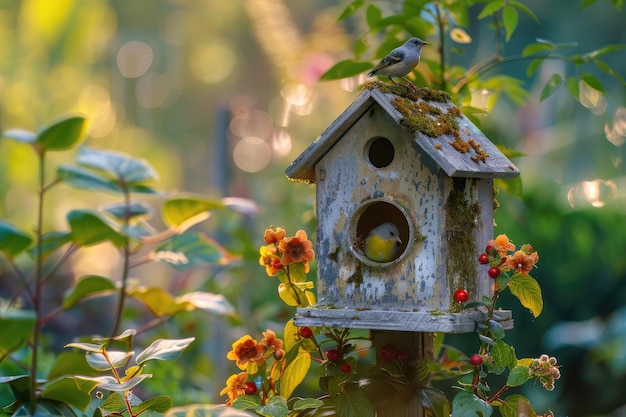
column 296, row 249
column 235, row 385
column 270, row 260
column 521, row 262
column 502, row 245
column 246, row 350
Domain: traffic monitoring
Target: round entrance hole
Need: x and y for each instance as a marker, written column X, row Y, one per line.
column 372, row 214
column 380, row 152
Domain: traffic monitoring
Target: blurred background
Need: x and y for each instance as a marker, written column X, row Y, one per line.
column 220, row 96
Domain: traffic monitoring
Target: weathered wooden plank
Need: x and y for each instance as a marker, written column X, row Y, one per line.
column 405, row 321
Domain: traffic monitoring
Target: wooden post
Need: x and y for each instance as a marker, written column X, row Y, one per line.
column 419, row 347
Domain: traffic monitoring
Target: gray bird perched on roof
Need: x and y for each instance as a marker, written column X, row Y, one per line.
column 400, row 61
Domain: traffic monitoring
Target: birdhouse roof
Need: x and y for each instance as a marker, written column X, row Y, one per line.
column 447, row 138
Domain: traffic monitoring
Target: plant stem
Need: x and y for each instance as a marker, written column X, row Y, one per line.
column 36, row 296
column 498, row 394
column 125, row 267
column 442, row 44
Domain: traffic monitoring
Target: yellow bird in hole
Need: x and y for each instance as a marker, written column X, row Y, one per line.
column 382, row 243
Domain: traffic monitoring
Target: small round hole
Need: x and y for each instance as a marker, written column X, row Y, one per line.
column 380, row 152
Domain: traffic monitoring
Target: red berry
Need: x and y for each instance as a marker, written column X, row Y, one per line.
column 279, row 354
column 483, row 258
column 306, row 332
column 333, row 355
column 494, row 272
column 489, row 249
column 402, row 356
column 345, row 368
column 476, row 359
column 461, row 295
column 388, row 353
column 250, row 388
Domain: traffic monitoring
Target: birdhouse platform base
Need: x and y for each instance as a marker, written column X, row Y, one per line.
column 410, row 321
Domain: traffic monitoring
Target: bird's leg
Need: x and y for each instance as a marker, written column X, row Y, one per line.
column 409, row 83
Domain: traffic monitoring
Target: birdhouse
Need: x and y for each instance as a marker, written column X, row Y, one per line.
column 411, row 160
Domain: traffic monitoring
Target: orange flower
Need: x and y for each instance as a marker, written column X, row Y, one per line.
column 246, row 350
column 502, row 245
column 521, row 262
column 271, row 341
column 296, row 249
column 235, row 385
column 273, row 236
column 270, row 260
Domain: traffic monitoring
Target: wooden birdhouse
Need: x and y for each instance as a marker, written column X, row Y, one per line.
column 412, row 159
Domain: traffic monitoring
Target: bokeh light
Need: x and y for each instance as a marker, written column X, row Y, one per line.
column 596, row 193
column 212, row 60
column 252, row 154
column 134, row 59
column 591, row 98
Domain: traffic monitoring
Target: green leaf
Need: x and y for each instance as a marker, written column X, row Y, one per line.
column 511, row 186
column 190, row 250
column 435, row 401
column 20, row 135
column 618, row 4
column 607, row 49
column 466, row 404
column 496, row 329
column 275, row 407
column 134, row 210
column 593, row 82
column 551, row 86
column 246, row 402
column 607, row 68
column 114, row 402
column 527, row 290
column 346, row 68
column 69, row 390
column 491, row 8
column 354, row 402
column 586, row 3
column 159, row 301
column 13, row 241
column 117, row 359
column 360, row 46
column 61, row 135
column 50, row 242
column 373, row 16
column 210, row 410
column 307, row 403
column 89, row 228
column 351, row 9
column 516, row 405
column 89, row 347
column 535, row 48
column 84, row 179
column 213, row 303
column 86, row 287
column 572, row 86
column 532, row 67
column 503, row 355
column 518, row 376
column 110, row 384
column 522, row 7
column 158, row 404
column 164, row 350
column 17, row 327
column 294, row 373
column 510, row 18
column 185, row 210
column 119, row 165
column 71, row 362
